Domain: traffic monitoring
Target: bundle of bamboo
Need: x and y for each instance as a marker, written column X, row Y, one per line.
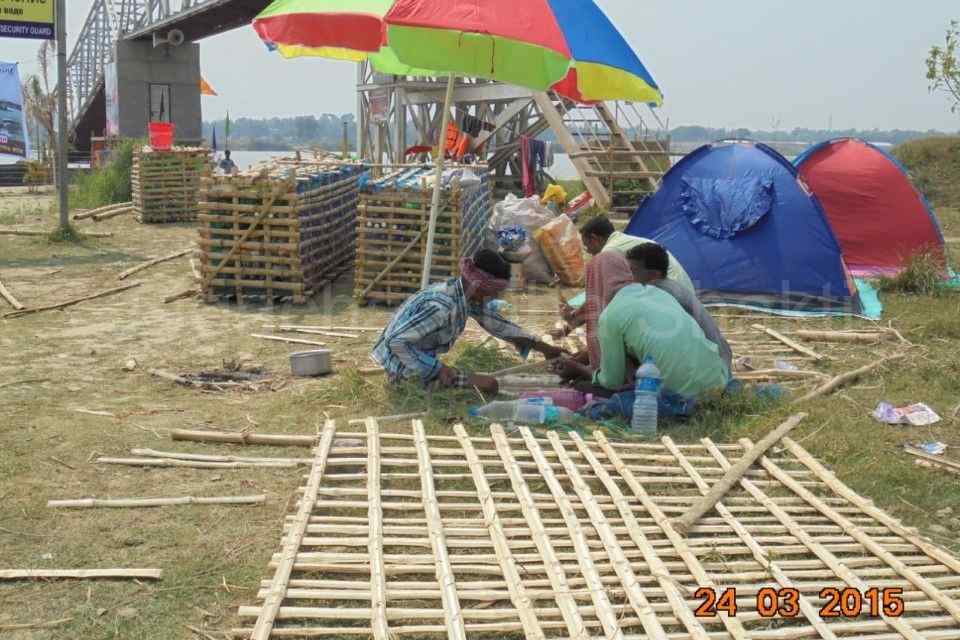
column 166, row 184
column 394, row 213
column 266, row 238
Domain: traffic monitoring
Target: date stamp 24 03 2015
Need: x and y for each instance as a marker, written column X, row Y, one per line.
column 785, row 603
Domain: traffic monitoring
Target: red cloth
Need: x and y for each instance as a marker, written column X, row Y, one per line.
column 607, row 273
column 476, row 281
column 529, row 180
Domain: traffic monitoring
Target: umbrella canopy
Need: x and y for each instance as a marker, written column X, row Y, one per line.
column 566, row 45
column 350, row 30
column 569, row 46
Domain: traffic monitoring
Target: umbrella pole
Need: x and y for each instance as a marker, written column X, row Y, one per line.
column 435, row 203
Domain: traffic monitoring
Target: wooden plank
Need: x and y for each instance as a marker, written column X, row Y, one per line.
column 291, row 544
column 618, row 558
column 378, row 587
column 733, row 475
column 438, row 539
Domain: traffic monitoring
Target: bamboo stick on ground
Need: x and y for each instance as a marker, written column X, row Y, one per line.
column 192, row 464
column 278, row 440
column 799, row 348
column 120, row 503
column 79, row 574
column 860, row 337
column 70, row 303
column 34, row 625
column 10, row 298
column 732, row 477
column 146, row 265
column 944, row 462
column 37, row 234
column 189, row 293
column 317, row 332
column 845, row 378
column 112, row 214
column 522, row 368
column 322, row 328
column 101, row 210
column 311, row 343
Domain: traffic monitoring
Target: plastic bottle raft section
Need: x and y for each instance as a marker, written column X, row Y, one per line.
column 166, row 184
column 270, row 239
column 392, row 222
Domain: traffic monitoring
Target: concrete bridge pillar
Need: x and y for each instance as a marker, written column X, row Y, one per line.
column 156, row 83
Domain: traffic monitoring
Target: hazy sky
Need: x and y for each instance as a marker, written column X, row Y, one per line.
column 746, row 63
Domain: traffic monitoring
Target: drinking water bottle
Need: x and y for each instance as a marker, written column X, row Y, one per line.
column 519, row 411
column 646, row 392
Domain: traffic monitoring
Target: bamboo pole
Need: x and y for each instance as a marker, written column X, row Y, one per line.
column 238, row 244
column 100, row 217
column 90, row 503
column 378, row 586
column 79, row 574
column 522, row 602
column 621, row 565
column 146, row 265
column 277, row 440
column 311, row 343
column 846, row 378
column 799, row 348
column 943, row 462
column 521, row 368
column 31, row 233
column 34, row 625
column 870, row 544
column 294, row 327
column 267, row 615
column 94, row 212
column 551, row 564
column 188, row 293
column 9, row 297
column 684, row 523
column 192, row 464
column 70, row 303
column 438, row 540
column 316, row 332
column 198, row 457
column 843, row 336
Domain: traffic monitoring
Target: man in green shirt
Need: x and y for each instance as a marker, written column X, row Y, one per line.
column 599, row 235
column 644, row 321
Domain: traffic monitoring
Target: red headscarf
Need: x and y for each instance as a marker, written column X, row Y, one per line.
column 607, row 273
column 476, row 281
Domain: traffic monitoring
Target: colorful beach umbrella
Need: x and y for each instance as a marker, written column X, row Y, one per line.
column 569, row 46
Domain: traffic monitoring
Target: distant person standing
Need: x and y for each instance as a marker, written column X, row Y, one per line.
column 227, row 165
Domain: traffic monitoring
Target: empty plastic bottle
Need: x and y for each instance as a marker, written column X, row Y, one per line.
column 536, row 411
column 646, row 392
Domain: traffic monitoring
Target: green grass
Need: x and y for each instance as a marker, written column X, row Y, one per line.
column 934, row 165
column 108, row 185
column 923, row 276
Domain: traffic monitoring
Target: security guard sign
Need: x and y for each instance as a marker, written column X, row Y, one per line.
column 31, row 19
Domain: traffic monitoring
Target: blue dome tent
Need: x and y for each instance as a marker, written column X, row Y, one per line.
column 748, row 231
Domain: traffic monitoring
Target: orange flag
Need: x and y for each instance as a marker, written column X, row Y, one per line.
column 206, row 89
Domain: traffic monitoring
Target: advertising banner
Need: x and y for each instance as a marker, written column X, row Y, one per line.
column 111, row 92
column 14, row 144
column 32, row 19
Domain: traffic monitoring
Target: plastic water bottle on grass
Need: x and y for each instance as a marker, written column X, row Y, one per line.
column 646, row 393
column 526, row 412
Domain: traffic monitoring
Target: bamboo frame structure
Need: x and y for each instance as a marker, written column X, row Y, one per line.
column 166, row 184
column 409, row 535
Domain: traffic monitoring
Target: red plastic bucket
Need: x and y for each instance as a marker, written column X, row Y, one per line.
column 161, row 135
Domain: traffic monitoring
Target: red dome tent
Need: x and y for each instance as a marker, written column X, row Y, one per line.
column 877, row 215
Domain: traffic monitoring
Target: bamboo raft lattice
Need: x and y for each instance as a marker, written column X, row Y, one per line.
column 268, row 238
column 405, row 535
column 166, row 184
column 392, row 222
